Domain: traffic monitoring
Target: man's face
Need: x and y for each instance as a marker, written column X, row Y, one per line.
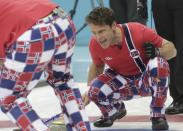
column 103, row 33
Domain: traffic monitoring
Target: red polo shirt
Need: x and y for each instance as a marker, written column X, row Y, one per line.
column 16, row 16
column 119, row 59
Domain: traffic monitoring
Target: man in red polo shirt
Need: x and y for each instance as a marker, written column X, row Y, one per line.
column 37, row 36
column 136, row 66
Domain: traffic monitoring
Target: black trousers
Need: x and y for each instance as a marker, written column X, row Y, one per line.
column 168, row 18
column 126, row 11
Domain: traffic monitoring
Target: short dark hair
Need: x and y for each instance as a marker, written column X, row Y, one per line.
column 101, row 16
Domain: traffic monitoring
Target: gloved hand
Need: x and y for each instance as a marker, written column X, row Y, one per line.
column 150, row 50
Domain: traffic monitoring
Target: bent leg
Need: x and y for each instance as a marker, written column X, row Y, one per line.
column 107, row 91
column 156, row 80
column 60, row 79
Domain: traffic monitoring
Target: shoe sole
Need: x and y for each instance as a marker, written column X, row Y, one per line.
column 17, row 130
column 158, row 129
column 174, row 113
column 58, row 128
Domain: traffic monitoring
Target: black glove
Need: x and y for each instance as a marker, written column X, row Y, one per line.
column 150, row 50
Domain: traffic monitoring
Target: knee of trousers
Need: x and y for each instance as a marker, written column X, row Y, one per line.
column 95, row 92
column 158, row 67
column 75, row 92
column 7, row 102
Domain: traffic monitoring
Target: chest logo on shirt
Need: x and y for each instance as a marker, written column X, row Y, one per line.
column 108, row 58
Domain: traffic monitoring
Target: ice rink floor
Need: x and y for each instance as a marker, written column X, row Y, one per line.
column 46, row 104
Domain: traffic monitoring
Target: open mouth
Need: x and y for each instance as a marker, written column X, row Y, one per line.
column 103, row 42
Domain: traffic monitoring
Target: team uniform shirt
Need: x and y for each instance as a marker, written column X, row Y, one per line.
column 17, row 16
column 118, row 57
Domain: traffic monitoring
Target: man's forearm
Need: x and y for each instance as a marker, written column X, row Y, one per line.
column 91, row 76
